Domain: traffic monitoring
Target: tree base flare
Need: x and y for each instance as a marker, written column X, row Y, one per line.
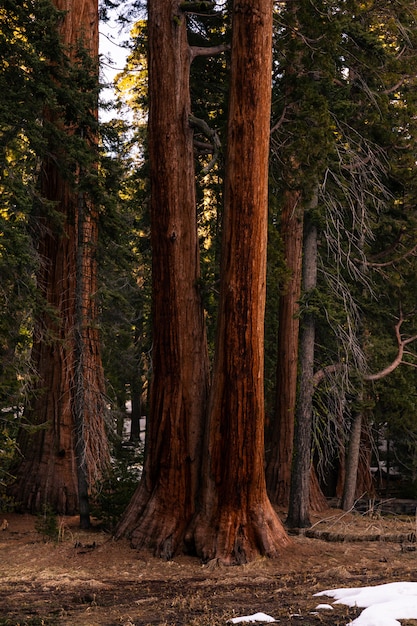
column 233, row 537
column 153, row 524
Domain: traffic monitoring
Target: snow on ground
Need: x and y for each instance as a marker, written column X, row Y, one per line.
column 251, row 619
column 384, row 604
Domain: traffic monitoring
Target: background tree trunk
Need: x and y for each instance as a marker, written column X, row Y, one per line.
column 317, row 499
column 364, row 482
column 281, row 428
column 164, row 502
column 236, row 521
column 298, row 511
column 46, row 475
column 136, row 414
column 352, row 462
column 358, row 479
column 68, row 398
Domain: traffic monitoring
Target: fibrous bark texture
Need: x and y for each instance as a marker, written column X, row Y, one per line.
column 298, row 511
column 66, row 356
column 279, row 450
column 164, row 502
column 236, row 521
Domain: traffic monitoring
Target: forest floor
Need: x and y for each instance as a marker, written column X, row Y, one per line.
column 86, row 578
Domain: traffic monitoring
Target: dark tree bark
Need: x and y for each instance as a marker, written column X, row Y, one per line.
column 164, row 502
column 236, row 522
column 352, row 462
column 357, row 478
column 364, row 482
column 136, row 414
column 67, row 411
column 298, row 511
column 281, row 428
column 136, row 388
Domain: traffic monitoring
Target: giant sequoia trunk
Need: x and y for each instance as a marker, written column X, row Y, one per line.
column 236, row 521
column 281, row 429
column 63, row 443
column 164, row 502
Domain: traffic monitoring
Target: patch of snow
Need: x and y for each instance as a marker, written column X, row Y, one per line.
column 384, row 604
column 250, row 619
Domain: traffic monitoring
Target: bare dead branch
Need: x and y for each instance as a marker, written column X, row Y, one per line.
column 396, row 86
column 197, row 6
column 325, row 371
column 399, row 357
column 215, row 144
column 355, row 164
column 209, row 51
column 203, row 147
column 280, row 121
column 406, row 254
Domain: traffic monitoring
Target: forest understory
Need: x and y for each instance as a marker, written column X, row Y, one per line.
column 85, row 578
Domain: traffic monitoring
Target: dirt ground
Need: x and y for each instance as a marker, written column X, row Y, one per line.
column 87, row 579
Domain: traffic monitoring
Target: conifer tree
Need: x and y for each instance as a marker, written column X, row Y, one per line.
column 62, row 440
column 235, row 521
column 28, row 40
column 164, row 502
column 344, row 151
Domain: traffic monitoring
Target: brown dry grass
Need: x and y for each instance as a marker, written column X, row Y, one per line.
column 87, row 579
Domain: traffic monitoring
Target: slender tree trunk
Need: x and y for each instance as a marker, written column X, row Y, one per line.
column 120, row 417
column 236, row 521
column 164, row 502
column 298, row 512
column 67, row 411
column 136, row 414
column 364, row 481
column 358, row 480
column 281, row 430
column 352, row 462
column 136, row 389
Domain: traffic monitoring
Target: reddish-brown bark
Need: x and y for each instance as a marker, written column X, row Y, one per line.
column 47, row 474
column 236, row 521
column 317, row 499
column 164, row 502
column 364, row 483
column 281, row 428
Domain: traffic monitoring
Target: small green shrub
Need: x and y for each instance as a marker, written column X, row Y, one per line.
column 47, row 524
